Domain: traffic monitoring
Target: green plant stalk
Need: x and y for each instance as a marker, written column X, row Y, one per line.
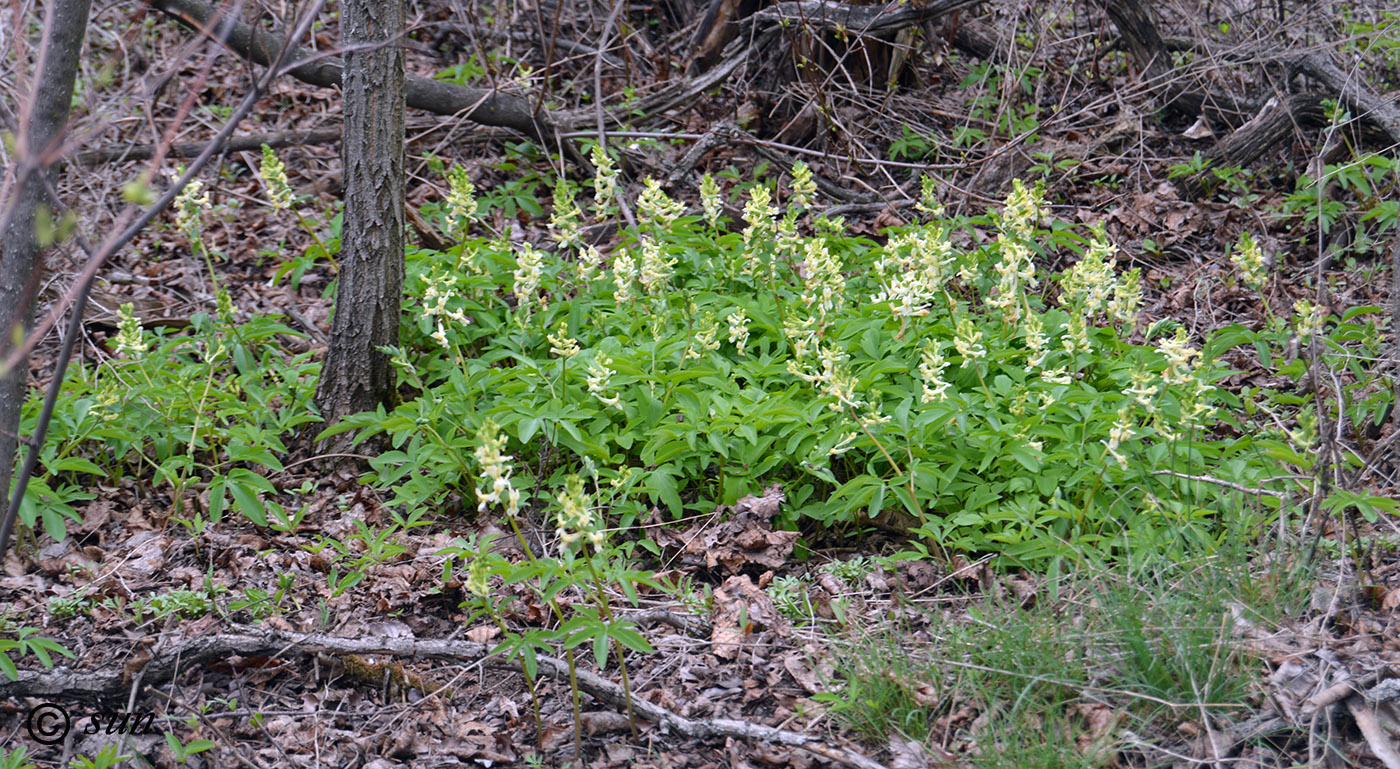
column 578, row 710
column 913, row 496
column 569, row 653
column 606, row 611
column 529, row 679
column 312, row 232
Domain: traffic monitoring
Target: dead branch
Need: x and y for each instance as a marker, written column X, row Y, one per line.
column 111, row 681
column 251, row 142
column 487, row 107
column 858, row 19
column 1358, row 97
column 1371, row 729
column 1152, row 57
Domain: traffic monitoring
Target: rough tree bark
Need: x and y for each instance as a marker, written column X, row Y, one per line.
column 41, row 132
column 356, row 376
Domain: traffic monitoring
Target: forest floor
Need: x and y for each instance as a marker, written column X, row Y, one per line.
column 1271, row 653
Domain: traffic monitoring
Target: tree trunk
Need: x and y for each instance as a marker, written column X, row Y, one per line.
column 40, row 135
column 356, row 376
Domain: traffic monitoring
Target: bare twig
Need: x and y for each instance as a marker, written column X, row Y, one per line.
column 1371, row 729
column 1231, row 485
column 193, row 149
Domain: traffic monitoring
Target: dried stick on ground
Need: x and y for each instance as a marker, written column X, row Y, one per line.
column 250, row 142
column 110, row 682
column 487, row 107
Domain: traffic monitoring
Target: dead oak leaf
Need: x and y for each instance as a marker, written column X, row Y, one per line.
column 742, row 608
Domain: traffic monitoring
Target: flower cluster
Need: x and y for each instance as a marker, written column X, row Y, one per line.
column 1127, row 299
column 189, row 211
column 1036, row 341
column 825, row 286
column 968, row 341
column 1088, row 285
column 931, row 368
column 1307, row 320
column 564, row 219
column 561, row 344
column 802, row 334
column 461, row 200
column 928, row 199
column 656, row 268
column 576, row 520
column 656, row 207
column 588, row 261
column 1024, row 210
column 1143, row 388
column 479, row 577
column 1249, row 259
column 130, row 339
column 1015, row 272
column 528, row 270
column 1179, row 354
column 759, row 214
column 495, row 470
column 598, row 379
column 833, row 379
column 1076, row 338
column 435, row 297
column 703, row 340
column 624, row 275
column 803, row 186
column 274, row 176
column 738, row 329
column 912, row 270
column 1122, row 430
column 604, row 179
column 710, row 201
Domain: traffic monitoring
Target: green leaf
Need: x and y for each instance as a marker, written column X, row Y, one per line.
column 663, row 485
column 248, row 501
column 75, row 465
column 600, row 650
column 630, row 638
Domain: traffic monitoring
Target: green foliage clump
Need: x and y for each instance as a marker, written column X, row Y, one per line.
column 941, row 387
column 210, row 404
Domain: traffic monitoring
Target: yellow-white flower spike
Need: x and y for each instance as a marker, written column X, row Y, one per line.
column 495, row 469
column 710, row 200
column 1249, row 259
column 932, row 365
column 529, row 264
column 968, row 341
column 656, row 207
column 738, row 329
column 274, row 177
column 1179, row 355
column 560, row 344
column 803, row 186
column 564, row 219
column 1308, row 320
column 130, row 338
column 604, row 179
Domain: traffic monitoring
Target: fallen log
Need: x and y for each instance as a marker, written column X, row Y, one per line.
column 480, row 105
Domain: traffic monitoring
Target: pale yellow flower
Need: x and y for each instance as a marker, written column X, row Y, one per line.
column 274, row 176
